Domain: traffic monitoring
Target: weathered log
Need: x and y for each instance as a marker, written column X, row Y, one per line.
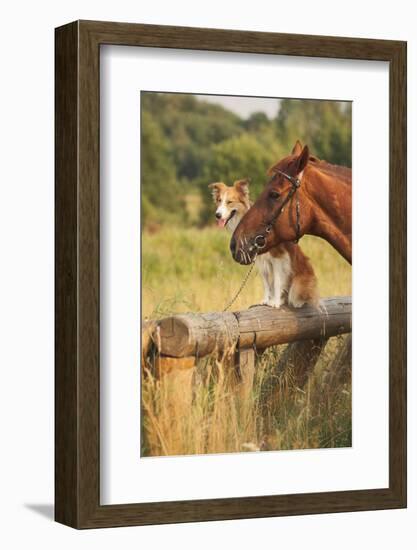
column 259, row 327
column 198, row 334
column 160, row 365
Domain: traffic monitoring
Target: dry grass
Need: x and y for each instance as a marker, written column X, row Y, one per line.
column 191, row 270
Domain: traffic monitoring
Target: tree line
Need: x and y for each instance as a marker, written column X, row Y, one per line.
column 187, row 143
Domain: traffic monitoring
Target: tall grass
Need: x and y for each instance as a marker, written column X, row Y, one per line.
column 191, row 270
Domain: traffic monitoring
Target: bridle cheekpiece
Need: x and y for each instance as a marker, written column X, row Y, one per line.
column 260, row 240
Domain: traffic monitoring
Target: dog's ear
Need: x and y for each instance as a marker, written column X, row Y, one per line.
column 216, row 189
column 243, row 187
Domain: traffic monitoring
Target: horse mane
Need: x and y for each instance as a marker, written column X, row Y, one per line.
column 341, row 172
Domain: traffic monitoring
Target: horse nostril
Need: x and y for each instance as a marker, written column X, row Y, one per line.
column 233, row 246
column 218, row 215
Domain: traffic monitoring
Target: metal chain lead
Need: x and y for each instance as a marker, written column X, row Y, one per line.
column 295, row 182
column 242, row 286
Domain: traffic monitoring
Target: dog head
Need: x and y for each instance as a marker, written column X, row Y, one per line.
column 232, row 202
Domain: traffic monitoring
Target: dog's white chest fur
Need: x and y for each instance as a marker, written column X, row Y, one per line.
column 283, row 269
column 233, row 223
column 277, row 274
column 284, row 277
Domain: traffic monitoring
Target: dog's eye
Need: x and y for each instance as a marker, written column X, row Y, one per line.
column 274, row 195
column 229, row 202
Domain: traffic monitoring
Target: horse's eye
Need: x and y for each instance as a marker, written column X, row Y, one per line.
column 274, row 195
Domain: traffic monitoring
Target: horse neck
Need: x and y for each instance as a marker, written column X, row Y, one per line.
column 331, row 203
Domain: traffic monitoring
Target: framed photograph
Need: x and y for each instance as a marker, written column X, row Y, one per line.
column 221, row 196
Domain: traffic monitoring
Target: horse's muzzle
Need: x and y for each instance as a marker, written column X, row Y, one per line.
column 244, row 254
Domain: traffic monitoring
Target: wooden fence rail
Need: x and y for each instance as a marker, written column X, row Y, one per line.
column 182, row 338
column 199, row 334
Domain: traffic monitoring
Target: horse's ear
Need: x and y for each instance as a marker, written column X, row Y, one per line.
column 296, row 150
column 242, row 186
column 216, row 188
column 303, row 159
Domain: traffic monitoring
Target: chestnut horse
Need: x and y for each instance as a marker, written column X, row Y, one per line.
column 303, row 196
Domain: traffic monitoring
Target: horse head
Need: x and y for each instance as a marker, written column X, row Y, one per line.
column 281, row 213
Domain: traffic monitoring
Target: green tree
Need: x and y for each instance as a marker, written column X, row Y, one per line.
column 188, row 142
column 257, row 122
column 190, row 126
column 237, row 158
column 325, row 126
column 159, row 187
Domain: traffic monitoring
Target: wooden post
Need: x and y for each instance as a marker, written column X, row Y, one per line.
column 340, row 370
column 148, row 329
column 165, row 365
column 245, row 366
column 292, row 371
column 179, row 341
column 162, row 364
column 299, row 358
column 177, row 388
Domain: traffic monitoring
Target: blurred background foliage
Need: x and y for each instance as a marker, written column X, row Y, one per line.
column 188, row 143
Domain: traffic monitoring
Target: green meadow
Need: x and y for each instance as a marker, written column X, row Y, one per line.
column 189, row 269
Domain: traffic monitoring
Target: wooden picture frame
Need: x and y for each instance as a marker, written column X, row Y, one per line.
column 77, row 374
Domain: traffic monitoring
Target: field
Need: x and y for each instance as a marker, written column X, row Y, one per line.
column 190, row 269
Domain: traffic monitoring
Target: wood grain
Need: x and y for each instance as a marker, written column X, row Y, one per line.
column 66, row 305
column 77, row 170
column 245, row 366
column 200, row 334
column 197, row 334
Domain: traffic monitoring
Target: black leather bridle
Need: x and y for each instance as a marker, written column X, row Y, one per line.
column 260, row 240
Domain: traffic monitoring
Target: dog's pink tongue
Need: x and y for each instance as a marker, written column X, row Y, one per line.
column 221, row 223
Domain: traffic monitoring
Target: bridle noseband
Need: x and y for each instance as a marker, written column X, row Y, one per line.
column 260, row 240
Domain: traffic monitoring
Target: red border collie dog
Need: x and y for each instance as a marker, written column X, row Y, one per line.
column 287, row 274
